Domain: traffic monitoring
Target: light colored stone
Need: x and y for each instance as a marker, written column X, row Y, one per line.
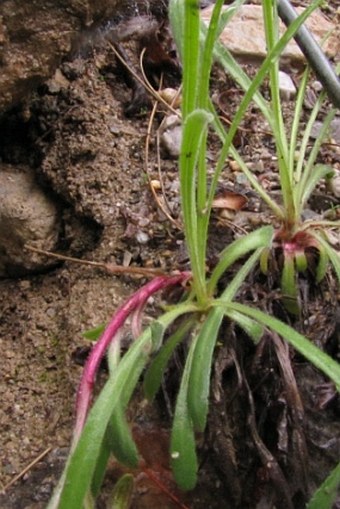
column 317, row 86
column 286, row 86
column 171, row 96
column 233, row 165
column 171, row 135
column 27, row 215
column 244, row 34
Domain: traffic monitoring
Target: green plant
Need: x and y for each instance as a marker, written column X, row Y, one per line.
column 326, row 494
column 297, row 177
column 103, row 429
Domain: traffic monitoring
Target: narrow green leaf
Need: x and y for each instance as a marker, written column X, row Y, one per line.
column 309, row 168
column 221, row 132
column 251, row 327
column 184, row 19
column 322, row 264
column 183, row 447
column 317, row 357
column 183, row 450
column 332, row 254
column 121, row 441
column 301, row 260
column 81, row 467
column 264, row 260
column 194, row 130
column 121, row 497
column 228, row 62
column 154, row 374
column 79, row 470
column 207, row 55
column 176, row 18
column 113, row 354
column 319, row 172
column 238, row 248
column 157, row 334
column 240, row 276
column 199, row 381
column 295, row 129
column 301, row 162
column 306, row 175
column 253, row 180
column 191, row 57
column 326, row 494
column 199, row 384
column 99, row 473
column 289, row 285
column 271, row 25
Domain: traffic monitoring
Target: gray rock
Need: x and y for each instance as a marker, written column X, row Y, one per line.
column 244, row 34
column 27, row 216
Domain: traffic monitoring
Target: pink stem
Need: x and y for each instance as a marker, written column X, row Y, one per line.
column 137, row 300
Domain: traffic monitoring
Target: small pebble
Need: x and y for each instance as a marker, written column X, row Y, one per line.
column 156, row 185
column 171, row 140
column 287, row 87
column 234, row 166
column 171, row 135
column 317, row 86
column 257, row 166
column 171, row 96
column 142, row 237
column 51, row 312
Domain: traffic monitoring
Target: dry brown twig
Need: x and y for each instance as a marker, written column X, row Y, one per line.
column 25, row 470
column 165, row 208
column 146, row 163
column 147, row 86
column 110, row 268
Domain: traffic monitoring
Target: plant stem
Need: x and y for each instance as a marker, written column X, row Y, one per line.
column 286, row 178
column 138, row 299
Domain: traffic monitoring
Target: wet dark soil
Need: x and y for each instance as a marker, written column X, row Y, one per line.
column 273, row 432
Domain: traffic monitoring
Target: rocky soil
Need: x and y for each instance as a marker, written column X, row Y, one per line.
column 91, row 188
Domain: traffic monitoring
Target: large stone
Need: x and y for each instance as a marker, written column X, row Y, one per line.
column 244, row 34
column 27, row 216
column 35, row 35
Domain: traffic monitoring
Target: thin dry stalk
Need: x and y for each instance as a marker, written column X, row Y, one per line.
column 147, row 87
column 25, row 470
column 146, row 162
column 107, row 267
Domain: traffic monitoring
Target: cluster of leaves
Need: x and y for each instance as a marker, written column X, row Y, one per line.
column 103, row 429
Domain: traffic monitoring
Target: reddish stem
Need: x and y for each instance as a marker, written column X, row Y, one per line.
column 136, row 301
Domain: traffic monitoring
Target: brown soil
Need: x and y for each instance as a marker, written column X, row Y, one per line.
column 90, row 156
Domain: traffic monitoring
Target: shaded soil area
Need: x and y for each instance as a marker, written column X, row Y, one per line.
column 273, row 432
